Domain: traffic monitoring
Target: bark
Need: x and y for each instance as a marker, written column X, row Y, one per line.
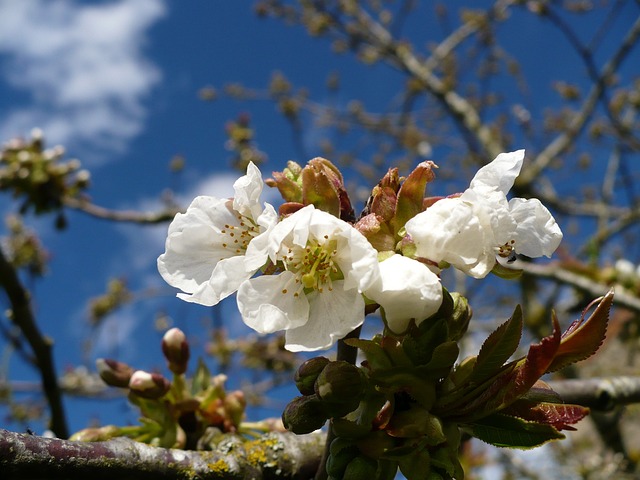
column 274, row 455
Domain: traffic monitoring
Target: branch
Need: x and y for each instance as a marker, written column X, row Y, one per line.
column 599, row 393
column 275, row 455
column 22, row 316
column 580, row 282
column 131, row 216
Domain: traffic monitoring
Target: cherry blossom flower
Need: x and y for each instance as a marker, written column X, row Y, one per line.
column 406, row 289
column 218, row 243
column 325, row 265
column 470, row 230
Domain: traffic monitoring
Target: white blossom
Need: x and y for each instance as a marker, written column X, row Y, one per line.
column 468, row 231
column 218, row 243
column 325, row 265
column 406, row 289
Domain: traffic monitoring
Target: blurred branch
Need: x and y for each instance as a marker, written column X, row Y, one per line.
column 22, row 316
column 276, row 455
column 566, row 139
column 131, row 216
column 599, row 393
column 580, row 282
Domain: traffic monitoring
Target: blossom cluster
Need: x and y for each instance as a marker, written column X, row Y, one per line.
column 311, row 270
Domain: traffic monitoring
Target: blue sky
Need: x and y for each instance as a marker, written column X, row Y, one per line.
column 116, row 82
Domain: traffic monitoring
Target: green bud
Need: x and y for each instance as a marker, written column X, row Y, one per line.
column 307, row 373
column 304, row 415
column 340, row 382
column 460, row 317
column 361, row 467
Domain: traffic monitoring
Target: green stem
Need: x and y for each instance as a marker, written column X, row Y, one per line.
column 348, row 354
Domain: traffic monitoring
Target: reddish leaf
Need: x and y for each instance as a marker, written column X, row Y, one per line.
column 558, row 415
column 583, row 337
column 498, row 347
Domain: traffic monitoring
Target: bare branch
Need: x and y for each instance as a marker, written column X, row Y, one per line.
column 599, row 393
column 130, row 216
column 274, row 455
column 23, row 317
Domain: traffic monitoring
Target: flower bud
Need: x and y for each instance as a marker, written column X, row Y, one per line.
column 149, row 385
column 340, row 382
column 114, row 373
column 460, row 317
column 304, row 415
column 307, row 373
column 176, row 350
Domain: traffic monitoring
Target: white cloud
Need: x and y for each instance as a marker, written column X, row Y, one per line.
column 82, row 67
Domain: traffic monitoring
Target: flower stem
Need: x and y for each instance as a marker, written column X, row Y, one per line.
column 348, row 354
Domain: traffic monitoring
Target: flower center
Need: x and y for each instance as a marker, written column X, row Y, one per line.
column 508, row 250
column 236, row 238
column 313, row 264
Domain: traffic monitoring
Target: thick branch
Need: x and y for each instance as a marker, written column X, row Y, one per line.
column 23, row 317
column 275, row 455
column 599, row 393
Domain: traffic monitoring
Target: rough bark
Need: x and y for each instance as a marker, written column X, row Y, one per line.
column 274, row 455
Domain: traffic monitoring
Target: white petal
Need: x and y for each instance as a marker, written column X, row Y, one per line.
column 248, row 189
column 406, row 289
column 265, row 308
column 449, row 231
column 294, row 229
column 192, row 248
column 500, row 174
column 333, row 314
column 537, row 232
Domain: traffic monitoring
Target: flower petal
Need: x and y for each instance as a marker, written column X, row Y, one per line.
column 248, row 189
column 192, row 249
column 332, row 315
column 500, row 174
column 268, row 304
column 406, row 289
column 537, row 232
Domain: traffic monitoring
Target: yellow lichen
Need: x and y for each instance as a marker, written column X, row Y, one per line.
column 219, row 466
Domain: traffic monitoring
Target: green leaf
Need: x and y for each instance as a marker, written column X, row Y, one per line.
column 444, row 356
column 498, row 347
column 422, row 341
column 415, row 465
column 583, row 337
column 374, row 353
column 201, row 378
column 507, row 431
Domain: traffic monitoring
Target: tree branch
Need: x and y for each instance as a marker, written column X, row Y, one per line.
column 23, row 317
column 130, row 216
column 274, row 455
column 599, row 393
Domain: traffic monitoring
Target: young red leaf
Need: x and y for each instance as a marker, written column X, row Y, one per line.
column 498, row 347
column 558, row 415
column 583, row 337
